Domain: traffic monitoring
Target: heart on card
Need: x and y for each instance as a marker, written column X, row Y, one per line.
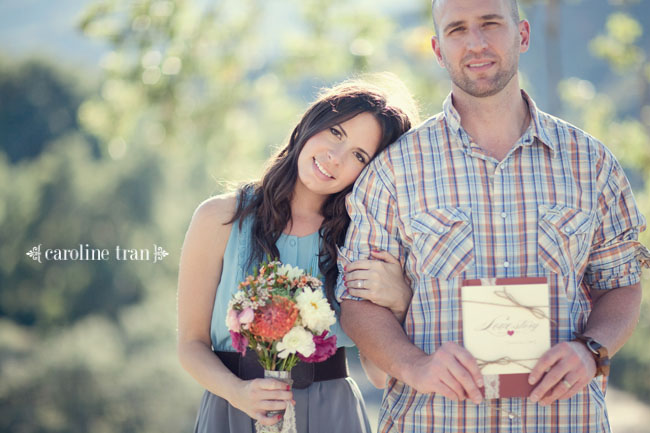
column 511, row 332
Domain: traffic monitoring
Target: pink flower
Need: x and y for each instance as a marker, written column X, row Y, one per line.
column 239, row 342
column 246, row 317
column 232, row 320
column 325, row 347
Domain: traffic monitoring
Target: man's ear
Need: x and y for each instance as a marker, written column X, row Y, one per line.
column 435, row 45
column 524, row 34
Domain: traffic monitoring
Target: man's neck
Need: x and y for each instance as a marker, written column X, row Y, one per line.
column 495, row 122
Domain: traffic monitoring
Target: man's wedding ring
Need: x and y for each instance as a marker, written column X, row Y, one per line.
column 566, row 383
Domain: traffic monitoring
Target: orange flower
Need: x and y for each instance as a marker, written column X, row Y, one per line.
column 275, row 319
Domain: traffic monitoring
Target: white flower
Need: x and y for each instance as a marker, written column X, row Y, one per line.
column 315, row 311
column 297, row 340
column 314, row 282
column 290, row 272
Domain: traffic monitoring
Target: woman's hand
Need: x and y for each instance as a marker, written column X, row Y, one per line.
column 258, row 396
column 380, row 281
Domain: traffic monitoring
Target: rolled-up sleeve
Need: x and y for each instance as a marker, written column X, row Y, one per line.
column 372, row 208
column 617, row 256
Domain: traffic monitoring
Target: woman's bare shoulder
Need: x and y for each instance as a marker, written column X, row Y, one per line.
column 217, row 210
column 211, row 220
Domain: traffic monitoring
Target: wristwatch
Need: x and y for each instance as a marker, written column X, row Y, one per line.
column 601, row 356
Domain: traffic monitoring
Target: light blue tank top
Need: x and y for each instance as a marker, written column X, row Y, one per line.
column 294, row 250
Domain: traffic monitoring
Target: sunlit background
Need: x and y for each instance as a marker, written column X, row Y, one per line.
column 118, row 117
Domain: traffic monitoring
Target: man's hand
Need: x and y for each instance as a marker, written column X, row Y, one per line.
column 569, row 368
column 450, row 371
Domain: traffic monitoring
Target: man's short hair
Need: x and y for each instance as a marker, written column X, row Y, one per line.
column 514, row 12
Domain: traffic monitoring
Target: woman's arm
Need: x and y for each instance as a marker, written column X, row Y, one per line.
column 375, row 375
column 382, row 282
column 199, row 275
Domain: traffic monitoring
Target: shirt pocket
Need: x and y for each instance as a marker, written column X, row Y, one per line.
column 563, row 238
column 443, row 241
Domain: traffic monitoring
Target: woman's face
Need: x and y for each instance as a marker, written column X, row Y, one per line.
column 333, row 158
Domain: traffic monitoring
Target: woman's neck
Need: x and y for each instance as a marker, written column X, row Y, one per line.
column 306, row 215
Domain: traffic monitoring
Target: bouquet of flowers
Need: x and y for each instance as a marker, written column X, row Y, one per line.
column 280, row 313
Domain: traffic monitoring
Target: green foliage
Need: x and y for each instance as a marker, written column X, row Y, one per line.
column 97, row 375
column 207, row 78
column 617, row 45
column 181, row 76
column 596, row 113
column 628, row 138
column 64, row 199
column 39, row 105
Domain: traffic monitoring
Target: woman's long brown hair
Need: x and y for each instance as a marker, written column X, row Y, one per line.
column 269, row 199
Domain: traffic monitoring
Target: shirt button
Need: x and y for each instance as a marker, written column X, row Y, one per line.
column 506, row 264
column 504, row 215
column 567, row 230
column 292, row 242
column 503, row 167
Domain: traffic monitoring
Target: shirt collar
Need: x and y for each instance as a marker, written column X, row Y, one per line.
column 535, row 130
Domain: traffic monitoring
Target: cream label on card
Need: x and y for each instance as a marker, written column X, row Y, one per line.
column 506, row 323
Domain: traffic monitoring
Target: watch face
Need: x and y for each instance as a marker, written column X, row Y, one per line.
column 594, row 346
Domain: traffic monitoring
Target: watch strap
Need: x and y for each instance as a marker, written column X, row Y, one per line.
column 599, row 352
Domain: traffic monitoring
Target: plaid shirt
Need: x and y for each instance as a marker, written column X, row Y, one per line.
column 558, row 205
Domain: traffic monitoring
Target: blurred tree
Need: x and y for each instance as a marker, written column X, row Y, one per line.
column 39, row 105
column 628, row 137
column 64, row 199
column 97, row 375
column 553, row 43
column 202, row 81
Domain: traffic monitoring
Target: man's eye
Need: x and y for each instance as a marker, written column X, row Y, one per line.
column 456, row 30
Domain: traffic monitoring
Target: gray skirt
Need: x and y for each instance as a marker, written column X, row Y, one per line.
column 323, row 407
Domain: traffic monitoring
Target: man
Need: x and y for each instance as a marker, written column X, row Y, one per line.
column 494, row 188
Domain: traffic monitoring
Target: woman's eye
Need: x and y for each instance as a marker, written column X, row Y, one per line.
column 335, row 132
column 360, row 157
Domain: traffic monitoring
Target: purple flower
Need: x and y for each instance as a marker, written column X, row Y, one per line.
column 325, row 347
column 239, row 342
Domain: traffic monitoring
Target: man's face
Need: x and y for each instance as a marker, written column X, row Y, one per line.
column 479, row 44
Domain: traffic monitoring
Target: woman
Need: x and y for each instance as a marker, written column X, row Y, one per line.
column 295, row 212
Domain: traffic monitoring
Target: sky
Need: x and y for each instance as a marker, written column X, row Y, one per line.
column 47, row 28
